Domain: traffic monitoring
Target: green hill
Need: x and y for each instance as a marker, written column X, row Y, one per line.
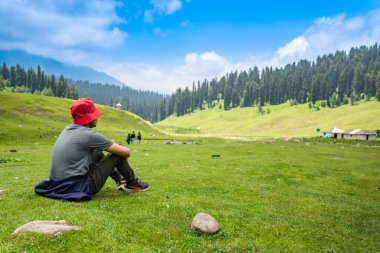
column 282, row 120
column 26, row 117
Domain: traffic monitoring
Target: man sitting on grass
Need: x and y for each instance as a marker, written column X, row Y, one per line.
column 78, row 167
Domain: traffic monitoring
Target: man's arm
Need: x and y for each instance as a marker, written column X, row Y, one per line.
column 119, row 150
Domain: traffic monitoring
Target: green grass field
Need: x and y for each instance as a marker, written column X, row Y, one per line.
column 29, row 118
column 282, row 121
column 267, row 196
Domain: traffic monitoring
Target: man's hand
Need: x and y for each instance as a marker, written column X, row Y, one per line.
column 119, row 150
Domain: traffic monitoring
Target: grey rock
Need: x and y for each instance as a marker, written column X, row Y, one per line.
column 47, row 227
column 205, row 223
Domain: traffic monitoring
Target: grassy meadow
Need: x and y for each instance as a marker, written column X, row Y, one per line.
column 29, row 118
column 281, row 121
column 268, row 196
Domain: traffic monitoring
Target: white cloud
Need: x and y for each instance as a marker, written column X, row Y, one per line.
column 162, row 7
column 167, row 6
column 194, row 67
column 327, row 35
column 78, row 31
column 199, row 66
column 295, row 48
column 51, row 28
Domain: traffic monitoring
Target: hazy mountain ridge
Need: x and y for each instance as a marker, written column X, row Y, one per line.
column 51, row 66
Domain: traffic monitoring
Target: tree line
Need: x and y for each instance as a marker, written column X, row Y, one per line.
column 331, row 80
column 140, row 102
column 17, row 79
column 334, row 79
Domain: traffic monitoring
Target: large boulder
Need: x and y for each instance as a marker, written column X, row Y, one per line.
column 205, row 223
column 47, row 227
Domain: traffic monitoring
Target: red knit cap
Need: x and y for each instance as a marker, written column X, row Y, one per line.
column 84, row 111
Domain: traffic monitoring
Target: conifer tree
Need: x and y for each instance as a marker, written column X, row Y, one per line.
column 5, row 72
column 367, row 86
column 378, row 86
column 227, row 97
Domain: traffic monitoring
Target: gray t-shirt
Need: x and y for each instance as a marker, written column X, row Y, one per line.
column 72, row 152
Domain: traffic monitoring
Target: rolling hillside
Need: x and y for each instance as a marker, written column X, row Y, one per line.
column 26, row 117
column 282, row 121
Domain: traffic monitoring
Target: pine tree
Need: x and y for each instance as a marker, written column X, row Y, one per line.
column 235, row 98
column 247, row 100
column 378, row 86
column 367, row 86
column 5, row 72
column 61, row 86
column 193, row 98
column 13, row 76
column 353, row 92
column 227, row 97
column 259, row 107
column 313, row 93
column 186, row 101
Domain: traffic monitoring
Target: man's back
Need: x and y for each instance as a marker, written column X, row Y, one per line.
column 72, row 152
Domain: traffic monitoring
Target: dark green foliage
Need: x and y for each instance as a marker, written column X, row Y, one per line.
column 227, row 97
column 378, row 86
column 333, row 78
column 148, row 105
column 19, row 80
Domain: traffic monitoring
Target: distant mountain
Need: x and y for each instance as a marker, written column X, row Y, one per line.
column 50, row 66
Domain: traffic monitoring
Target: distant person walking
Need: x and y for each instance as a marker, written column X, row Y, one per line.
column 78, row 168
column 133, row 136
column 128, row 138
column 139, row 137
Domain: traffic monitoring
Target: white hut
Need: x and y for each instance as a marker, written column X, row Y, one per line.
column 359, row 134
column 118, row 105
column 335, row 133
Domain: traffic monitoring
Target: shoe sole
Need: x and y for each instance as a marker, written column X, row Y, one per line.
column 122, row 188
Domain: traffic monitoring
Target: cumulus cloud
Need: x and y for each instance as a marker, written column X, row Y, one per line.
column 162, row 7
column 194, row 67
column 167, row 6
column 77, row 31
column 325, row 35
column 293, row 49
column 54, row 29
column 329, row 34
column 205, row 65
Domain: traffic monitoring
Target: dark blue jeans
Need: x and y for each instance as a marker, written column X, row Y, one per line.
column 111, row 165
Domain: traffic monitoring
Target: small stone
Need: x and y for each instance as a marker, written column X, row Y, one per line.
column 47, row 227
column 205, row 223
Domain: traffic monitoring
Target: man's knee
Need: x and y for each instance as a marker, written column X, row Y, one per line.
column 116, row 157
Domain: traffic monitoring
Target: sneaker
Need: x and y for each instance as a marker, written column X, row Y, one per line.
column 137, row 186
column 121, row 184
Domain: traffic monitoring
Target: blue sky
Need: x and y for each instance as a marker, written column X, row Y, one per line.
column 164, row 44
